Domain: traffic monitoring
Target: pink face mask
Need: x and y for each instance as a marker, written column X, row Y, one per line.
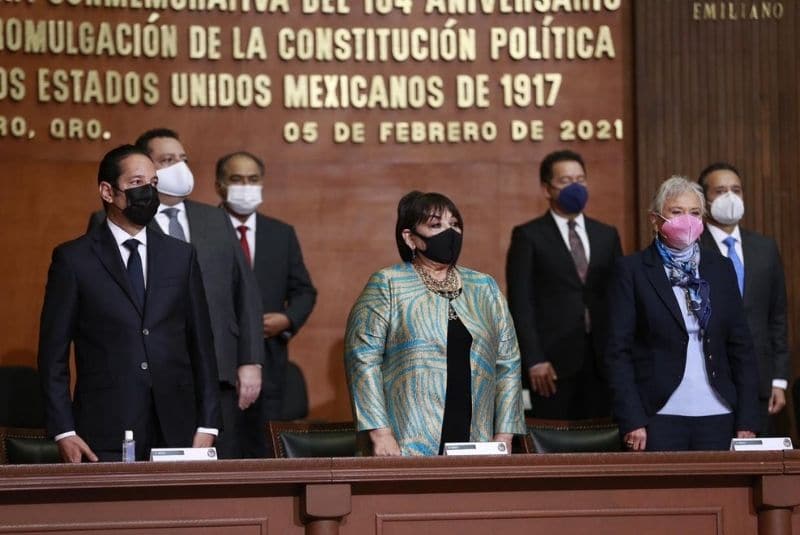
column 681, row 231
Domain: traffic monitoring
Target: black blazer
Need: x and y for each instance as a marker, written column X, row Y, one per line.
column 764, row 305
column 231, row 288
column 546, row 295
column 646, row 350
column 125, row 354
column 286, row 287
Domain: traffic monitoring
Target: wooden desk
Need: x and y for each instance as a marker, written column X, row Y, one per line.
column 613, row 493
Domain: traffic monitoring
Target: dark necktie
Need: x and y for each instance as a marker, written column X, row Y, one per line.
column 738, row 266
column 174, row 228
column 135, row 272
column 245, row 246
column 577, row 250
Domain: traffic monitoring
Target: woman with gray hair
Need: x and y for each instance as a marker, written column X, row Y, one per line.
column 681, row 363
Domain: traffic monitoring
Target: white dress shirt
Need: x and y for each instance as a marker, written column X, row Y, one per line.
column 121, row 236
column 163, row 220
column 580, row 228
column 250, row 223
column 694, row 396
column 718, row 234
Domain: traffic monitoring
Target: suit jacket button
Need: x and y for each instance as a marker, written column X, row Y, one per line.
column 710, row 357
column 145, row 332
column 713, row 374
column 143, row 366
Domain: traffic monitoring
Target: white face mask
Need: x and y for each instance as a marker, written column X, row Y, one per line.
column 176, row 180
column 727, row 209
column 244, row 199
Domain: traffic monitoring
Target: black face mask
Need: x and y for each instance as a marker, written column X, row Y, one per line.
column 443, row 247
column 142, row 204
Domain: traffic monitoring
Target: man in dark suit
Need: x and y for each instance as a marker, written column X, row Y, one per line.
column 230, row 287
column 287, row 294
column 557, row 269
column 132, row 303
column 761, row 280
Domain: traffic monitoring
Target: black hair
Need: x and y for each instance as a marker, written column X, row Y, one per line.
column 143, row 141
column 546, row 167
column 716, row 166
column 110, row 168
column 417, row 207
column 222, row 162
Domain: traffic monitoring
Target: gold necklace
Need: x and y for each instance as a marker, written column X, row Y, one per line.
column 449, row 288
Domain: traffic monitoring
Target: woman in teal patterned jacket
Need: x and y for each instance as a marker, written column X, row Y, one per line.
column 431, row 355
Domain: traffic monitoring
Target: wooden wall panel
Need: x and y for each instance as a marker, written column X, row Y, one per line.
column 724, row 89
column 340, row 197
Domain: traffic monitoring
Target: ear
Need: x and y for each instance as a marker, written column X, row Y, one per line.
column 106, row 192
column 655, row 221
column 546, row 191
column 221, row 190
column 408, row 239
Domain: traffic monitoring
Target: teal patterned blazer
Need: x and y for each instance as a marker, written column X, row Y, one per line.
column 395, row 353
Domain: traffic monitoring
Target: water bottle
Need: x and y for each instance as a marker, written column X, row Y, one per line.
column 128, row 448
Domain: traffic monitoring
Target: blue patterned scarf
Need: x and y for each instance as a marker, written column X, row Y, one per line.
column 682, row 270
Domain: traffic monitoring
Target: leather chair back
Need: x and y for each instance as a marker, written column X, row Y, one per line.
column 27, row 446
column 573, row 436
column 306, row 439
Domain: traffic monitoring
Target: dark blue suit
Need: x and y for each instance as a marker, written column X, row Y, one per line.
column 646, row 351
column 149, row 369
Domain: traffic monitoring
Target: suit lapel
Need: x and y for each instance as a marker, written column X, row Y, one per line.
column 262, row 236
column 197, row 230
column 153, row 258
column 750, row 257
column 594, row 245
column 658, row 278
column 107, row 251
column 559, row 247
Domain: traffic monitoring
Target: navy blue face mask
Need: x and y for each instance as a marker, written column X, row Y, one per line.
column 572, row 199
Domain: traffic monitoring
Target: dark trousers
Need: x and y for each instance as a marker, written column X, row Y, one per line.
column 768, row 423
column 244, row 432
column 152, row 437
column 228, row 442
column 584, row 395
column 690, row 433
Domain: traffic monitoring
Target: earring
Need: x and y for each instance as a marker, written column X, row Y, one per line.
column 413, row 254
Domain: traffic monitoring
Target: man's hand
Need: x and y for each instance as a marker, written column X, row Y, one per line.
column 383, row 443
column 73, row 449
column 504, row 437
column 636, row 440
column 745, row 434
column 777, row 401
column 248, row 384
column 275, row 323
column 543, row 379
column 203, row 440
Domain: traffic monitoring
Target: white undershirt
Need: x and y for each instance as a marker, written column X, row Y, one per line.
column 580, row 228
